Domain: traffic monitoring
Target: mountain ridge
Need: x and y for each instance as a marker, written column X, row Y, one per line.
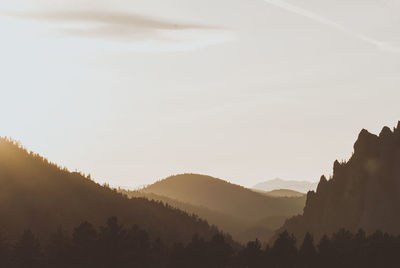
column 187, row 188
column 38, row 195
column 259, row 213
column 363, row 192
column 280, row 193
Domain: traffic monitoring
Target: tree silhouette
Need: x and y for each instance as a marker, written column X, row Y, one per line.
column 27, row 252
column 113, row 245
column 196, row 252
column 251, row 256
column 85, row 245
column 326, row 255
column 343, row 247
column 177, row 258
column 59, row 249
column 307, row 252
column 220, row 252
column 4, row 252
column 360, row 256
column 138, row 247
column 284, row 250
column 159, row 254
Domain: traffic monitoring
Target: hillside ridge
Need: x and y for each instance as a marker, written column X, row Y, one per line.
column 363, row 192
column 39, row 195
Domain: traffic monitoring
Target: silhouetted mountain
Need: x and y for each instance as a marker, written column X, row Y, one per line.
column 363, row 192
column 250, row 214
column 38, row 195
column 277, row 184
column 280, row 193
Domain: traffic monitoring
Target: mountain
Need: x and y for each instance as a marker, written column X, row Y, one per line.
column 280, row 193
column 277, row 184
column 38, row 195
column 224, row 221
column 241, row 229
column 363, row 192
column 242, row 212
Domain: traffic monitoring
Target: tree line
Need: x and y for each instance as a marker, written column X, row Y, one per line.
column 113, row 245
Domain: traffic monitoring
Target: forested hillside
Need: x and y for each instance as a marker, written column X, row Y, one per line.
column 224, row 196
column 38, row 195
column 244, row 213
column 223, row 221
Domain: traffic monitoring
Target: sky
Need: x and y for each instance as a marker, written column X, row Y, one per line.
column 134, row 91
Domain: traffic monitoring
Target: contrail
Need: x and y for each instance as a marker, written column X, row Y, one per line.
column 321, row 19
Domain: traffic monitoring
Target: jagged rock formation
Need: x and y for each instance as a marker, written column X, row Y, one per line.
column 362, row 193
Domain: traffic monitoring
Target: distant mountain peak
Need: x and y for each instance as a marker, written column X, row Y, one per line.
column 278, row 184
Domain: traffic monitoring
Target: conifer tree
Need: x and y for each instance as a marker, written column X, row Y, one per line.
column 307, row 252
column 59, row 249
column 4, row 252
column 27, row 252
column 284, row 250
column 85, row 246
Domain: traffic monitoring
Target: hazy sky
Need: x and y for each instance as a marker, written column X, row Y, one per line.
column 245, row 90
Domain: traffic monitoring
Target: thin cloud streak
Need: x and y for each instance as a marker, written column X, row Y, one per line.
column 387, row 46
column 143, row 33
column 110, row 18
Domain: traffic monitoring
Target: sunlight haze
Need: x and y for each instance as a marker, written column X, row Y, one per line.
column 135, row 91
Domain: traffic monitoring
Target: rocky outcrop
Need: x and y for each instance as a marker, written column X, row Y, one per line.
column 363, row 192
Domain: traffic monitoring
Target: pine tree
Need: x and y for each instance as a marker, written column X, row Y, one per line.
column 219, row 252
column 138, row 247
column 159, row 254
column 27, row 252
column 85, row 246
column 252, row 255
column 59, row 250
column 307, row 252
column 284, row 250
column 4, row 252
column 113, row 245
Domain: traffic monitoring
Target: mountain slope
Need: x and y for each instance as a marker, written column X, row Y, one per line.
column 255, row 214
column 222, row 196
column 39, row 195
column 224, row 221
column 362, row 193
column 277, row 184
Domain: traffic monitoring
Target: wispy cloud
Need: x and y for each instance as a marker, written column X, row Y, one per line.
column 387, row 46
column 111, row 18
column 147, row 33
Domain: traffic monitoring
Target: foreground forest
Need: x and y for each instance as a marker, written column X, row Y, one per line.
column 113, row 245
